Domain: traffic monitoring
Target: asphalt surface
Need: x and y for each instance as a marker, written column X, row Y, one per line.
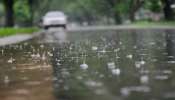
column 24, row 37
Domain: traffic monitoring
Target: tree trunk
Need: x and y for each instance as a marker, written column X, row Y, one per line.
column 168, row 11
column 134, row 6
column 116, row 14
column 30, row 4
column 117, row 18
column 132, row 16
column 9, row 13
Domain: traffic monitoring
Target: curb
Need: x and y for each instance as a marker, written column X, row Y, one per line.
column 17, row 38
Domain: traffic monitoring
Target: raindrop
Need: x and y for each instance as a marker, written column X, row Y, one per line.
column 152, row 43
column 116, row 71
column 120, row 43
column 94, row 48
column 33, row 55
column 42, row 46
column 142, row 62
column 154, row 60
column 111, row 65
column 2, row 51
column 38, row 55
column 58, row 64
column 135, row 47
column 144, row 79
column 171, row 62
column 129, row 56
column 92, row 83
column 14, row 68
column 125, row 91
column 24, row 78
column 170, row 95
column 6, row 80
column 161, row 77
column 117, row 50
column 11, row 60
column 84, row 66
column 43, row 56
column 137, row 64
column 79, row 77
column 101, row 76
column 22, row 91
column 100, row 91
column 103, row 51
column 167, row 72
column 144, row 89
column 33, row 83
column 66, row 88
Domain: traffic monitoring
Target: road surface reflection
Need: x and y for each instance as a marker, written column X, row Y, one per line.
column 110, row 65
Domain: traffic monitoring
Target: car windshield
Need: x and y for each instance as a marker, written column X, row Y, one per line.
column 54, row 14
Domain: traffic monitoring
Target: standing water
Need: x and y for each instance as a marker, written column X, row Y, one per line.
column 111, row 65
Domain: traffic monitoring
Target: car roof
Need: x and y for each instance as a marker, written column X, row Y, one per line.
column 54, row 13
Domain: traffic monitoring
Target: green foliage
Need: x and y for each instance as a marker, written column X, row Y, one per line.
column 13, row 31
column 82, row 10
column 154, row 5
column 22, row 12
column 150, row 24
column 1, row 9
column 123, row 7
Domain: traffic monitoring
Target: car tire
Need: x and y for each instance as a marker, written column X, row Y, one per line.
column 64, row 26
column 46, row 27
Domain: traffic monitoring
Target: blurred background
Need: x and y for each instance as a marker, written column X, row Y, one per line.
column 25, row 13
column 104, row 50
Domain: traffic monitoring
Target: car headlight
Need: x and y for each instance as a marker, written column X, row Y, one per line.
column 46, row 22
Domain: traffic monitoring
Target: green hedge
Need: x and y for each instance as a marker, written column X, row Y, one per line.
column 13, row 31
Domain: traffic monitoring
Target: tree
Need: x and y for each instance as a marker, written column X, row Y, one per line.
column 168, row 11
column 116, row 13
column 9, row 13
column 31, row 10
column 134, row 6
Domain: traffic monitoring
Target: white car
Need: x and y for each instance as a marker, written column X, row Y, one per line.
column 54, row 19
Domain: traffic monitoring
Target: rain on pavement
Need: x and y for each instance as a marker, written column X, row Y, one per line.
column 99, row 65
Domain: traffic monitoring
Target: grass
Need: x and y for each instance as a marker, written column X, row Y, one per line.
column 149, row 23
column 12, row 31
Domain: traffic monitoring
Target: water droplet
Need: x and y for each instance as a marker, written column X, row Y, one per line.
column 125, row 91
column 111, row 65
column 137, row 64
column 6, row 80
column 92, row 83
column 94, row 48
column 58, row 64
column 161, row 77
column 43, row 56
column 171, row 62
column 42, row 46
column 38, row 55
column 22, row 91
column 50, row 54
column 2, row 51
column 11, row 60
column 79, row 77
column 129, row 56
column 84, row 66
column 142, row 62
column 116, row 71
column 117, row 50
column 144, row 79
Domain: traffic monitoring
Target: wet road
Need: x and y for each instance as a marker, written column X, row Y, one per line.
column 105, row 65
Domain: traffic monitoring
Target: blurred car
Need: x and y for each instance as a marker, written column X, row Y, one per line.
column 54, row 19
